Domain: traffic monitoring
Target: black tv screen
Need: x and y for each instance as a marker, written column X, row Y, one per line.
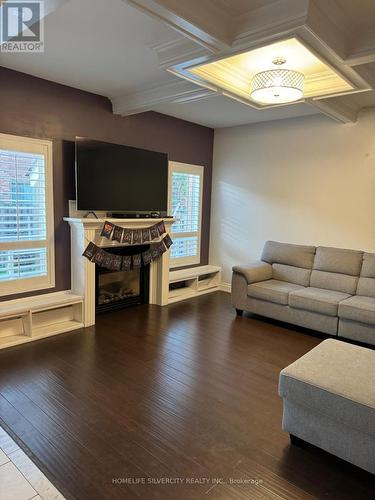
column 119, row 178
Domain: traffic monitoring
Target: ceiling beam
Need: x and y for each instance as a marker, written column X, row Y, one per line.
column 361, row 56
column 336, row 108
column 177, row 51
column 179, row 91
column 262, row 23
column 200, row 21
column 330, row 25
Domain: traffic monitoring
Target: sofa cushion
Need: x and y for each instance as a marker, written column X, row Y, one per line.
column 361, row 309
column 296, row 275
column 272, row 290
column 288, row 254
column 317, row 300
column 368, row 265
column 336, row 379
column 366, row 287
column 334, row 281
column 366, row 282
column 338, row 260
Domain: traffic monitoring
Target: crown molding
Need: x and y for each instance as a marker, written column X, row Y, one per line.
column 364, row 55
column 367, row 72
column 178, row 50
column 139, row 102
column 336, row 109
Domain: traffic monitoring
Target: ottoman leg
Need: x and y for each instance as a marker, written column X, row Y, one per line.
column 296, row 441
column 239, row 312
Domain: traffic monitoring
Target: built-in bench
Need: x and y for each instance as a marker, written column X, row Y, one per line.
column 30, row 318
column 192, row 282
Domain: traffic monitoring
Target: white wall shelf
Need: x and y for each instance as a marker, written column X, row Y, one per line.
column 192, row 282
column 31, row 318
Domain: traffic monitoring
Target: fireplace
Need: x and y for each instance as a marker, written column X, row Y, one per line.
column 84, row 272
column 119, row 289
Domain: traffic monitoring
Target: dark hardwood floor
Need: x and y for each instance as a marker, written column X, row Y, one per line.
column 182, row 394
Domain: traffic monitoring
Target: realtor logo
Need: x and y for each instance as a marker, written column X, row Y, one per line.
column 22, row 26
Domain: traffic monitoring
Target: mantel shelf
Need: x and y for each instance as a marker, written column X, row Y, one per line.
column 91, row 221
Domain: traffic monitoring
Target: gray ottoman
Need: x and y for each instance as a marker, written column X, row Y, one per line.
column 329, row 401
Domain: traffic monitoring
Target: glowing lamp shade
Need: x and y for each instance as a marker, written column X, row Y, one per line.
column 277, row 86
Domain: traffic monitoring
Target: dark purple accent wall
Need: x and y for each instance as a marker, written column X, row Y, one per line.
column 39, row 108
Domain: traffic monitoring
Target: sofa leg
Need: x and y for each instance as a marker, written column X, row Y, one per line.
column 239, row 312
column 296, row 441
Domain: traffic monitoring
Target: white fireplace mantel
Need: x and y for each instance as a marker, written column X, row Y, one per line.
column 83, row 271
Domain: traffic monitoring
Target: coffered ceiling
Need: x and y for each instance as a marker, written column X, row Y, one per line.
column 332, row 42
column 233, row 74
column 195, row 59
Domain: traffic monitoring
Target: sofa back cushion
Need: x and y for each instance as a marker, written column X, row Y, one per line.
column 292, row 274
column 336, row 269
column 366, row 282
column 334, row 281
column 338, row 260
column 288, row 254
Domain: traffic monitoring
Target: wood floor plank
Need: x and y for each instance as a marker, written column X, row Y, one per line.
column 176, row 402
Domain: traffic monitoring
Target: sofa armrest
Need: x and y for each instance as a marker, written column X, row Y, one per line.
column 255, row 271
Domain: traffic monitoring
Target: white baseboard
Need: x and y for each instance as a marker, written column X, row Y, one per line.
column 225, row 287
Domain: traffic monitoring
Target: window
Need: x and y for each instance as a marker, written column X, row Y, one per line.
column 185, row 204
column 26, row 215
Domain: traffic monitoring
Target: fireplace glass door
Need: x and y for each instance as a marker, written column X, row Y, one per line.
column 118, row 289
column 118, row 285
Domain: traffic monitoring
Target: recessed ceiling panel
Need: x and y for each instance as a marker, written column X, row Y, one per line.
column 235, row 73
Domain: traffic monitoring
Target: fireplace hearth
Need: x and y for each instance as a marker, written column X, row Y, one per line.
column 119, row 289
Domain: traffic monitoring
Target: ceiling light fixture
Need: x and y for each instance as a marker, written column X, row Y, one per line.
column 277, row 86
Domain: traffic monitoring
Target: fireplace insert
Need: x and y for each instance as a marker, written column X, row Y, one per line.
column 119, row 289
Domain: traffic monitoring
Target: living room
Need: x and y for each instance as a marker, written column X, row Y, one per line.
column 187, row 247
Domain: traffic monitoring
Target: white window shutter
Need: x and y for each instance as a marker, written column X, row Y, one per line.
column 186, row 183
column 26, row 245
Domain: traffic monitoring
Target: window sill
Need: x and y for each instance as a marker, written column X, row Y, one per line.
column 184, row 262
column 26, row 285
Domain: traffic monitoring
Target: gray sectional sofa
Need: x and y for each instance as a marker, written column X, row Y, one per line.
column 331, row 290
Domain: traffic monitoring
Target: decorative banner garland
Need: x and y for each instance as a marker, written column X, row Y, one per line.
column 132, row 236
column 115, row 262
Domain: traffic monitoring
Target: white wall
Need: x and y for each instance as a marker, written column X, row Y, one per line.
column 307, row 180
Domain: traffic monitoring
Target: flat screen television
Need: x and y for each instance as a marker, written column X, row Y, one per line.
column 121, row 179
